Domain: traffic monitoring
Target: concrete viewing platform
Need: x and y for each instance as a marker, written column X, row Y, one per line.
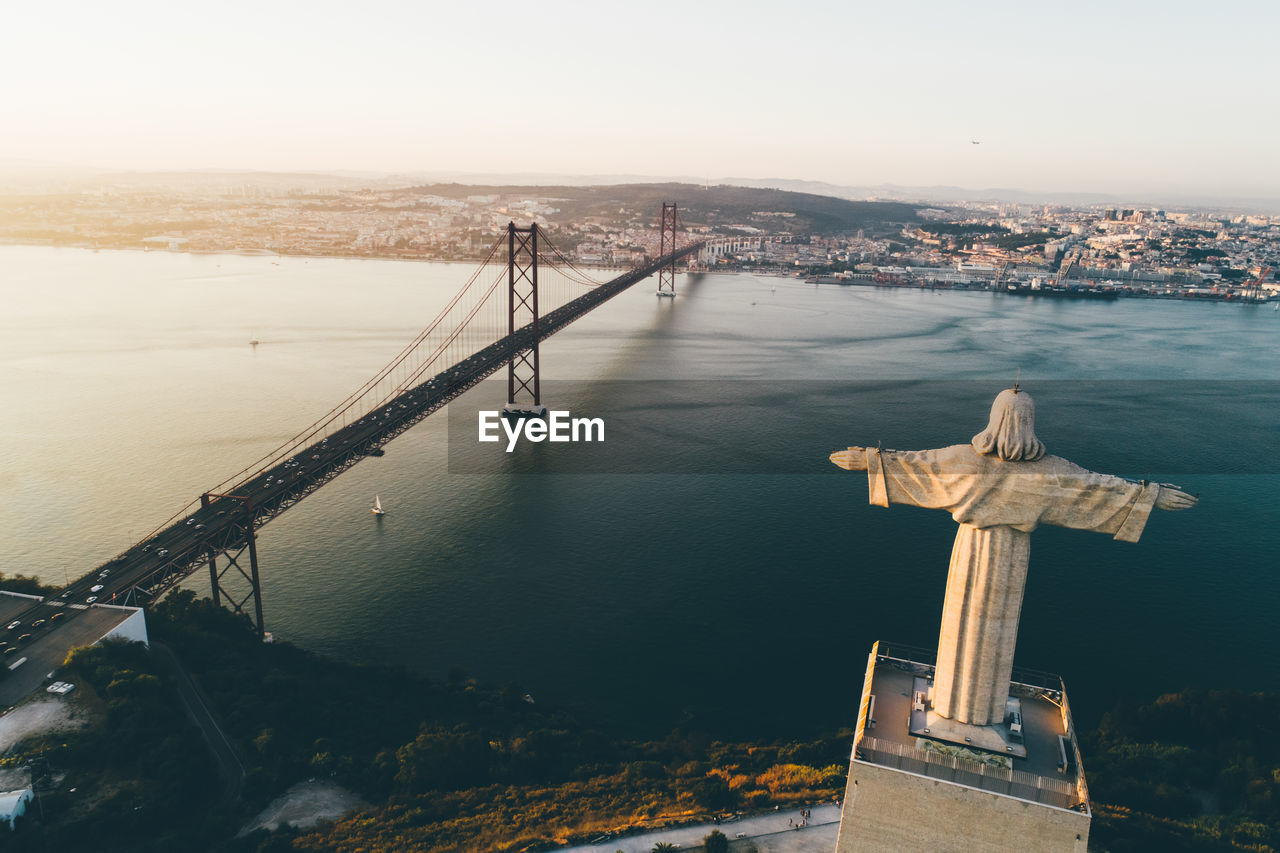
column 1031, row 756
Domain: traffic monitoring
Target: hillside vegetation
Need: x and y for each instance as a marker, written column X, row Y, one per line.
column 456, row 766
column 718, row 206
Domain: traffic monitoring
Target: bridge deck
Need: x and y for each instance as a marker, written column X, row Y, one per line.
column 159, row 562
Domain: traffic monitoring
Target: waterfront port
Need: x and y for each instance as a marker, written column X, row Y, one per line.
column 946, row 279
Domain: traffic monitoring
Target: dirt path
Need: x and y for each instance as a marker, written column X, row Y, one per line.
column 35, row 717
column 229, row 766
column 304, row 805
column 772, row 832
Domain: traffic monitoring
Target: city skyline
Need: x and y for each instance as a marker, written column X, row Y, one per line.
column 1145, row 99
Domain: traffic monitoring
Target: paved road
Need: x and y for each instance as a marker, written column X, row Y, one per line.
column 44, row 650
column 229, row 766
column 766, row 833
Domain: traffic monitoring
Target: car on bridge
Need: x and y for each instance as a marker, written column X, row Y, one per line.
column 91, row 599
column 14, row 625
column 96, row 588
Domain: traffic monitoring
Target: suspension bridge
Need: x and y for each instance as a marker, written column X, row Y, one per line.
column 522, row 293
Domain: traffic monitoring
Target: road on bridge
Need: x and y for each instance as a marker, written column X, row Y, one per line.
column 222, row 526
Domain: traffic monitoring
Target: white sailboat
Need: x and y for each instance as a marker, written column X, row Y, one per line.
column 377, row 506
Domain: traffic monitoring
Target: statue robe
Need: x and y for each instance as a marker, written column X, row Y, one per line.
column 997, row 503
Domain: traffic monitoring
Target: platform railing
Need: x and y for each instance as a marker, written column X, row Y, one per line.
column 1031, row 787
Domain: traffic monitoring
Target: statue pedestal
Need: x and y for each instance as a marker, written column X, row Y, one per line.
column 1001, row 739
column 994, row 739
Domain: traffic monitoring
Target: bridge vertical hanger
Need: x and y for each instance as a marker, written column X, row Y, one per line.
column 524, row 394
column 251, row 576
column 666, row 245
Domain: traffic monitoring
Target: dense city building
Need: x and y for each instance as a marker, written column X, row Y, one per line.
column 1022, row 248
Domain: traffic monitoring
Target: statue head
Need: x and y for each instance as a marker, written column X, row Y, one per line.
column 1010, row 434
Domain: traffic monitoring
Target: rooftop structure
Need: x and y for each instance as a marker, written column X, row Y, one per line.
column 13, row 804
column 917, row 785
column 1037, row 758
column 32, row 661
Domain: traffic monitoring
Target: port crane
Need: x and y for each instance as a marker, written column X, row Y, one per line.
column 1253, row 289
column 1064, row 269
column 1004, row 265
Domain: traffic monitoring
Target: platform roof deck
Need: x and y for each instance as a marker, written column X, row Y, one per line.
column 1037, row 777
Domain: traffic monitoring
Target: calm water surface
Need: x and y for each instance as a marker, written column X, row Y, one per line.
column 743, row 602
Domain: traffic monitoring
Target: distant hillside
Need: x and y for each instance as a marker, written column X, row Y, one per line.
column 720, row 206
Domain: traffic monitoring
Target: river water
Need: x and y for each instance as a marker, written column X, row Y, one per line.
column 705, row 565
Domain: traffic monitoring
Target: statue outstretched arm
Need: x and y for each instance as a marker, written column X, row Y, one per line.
column 1172, row 498
column 852, row 459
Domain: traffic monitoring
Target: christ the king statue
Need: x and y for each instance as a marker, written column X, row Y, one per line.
column 999, row 487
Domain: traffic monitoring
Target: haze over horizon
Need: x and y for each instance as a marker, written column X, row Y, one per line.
column 1147, row 99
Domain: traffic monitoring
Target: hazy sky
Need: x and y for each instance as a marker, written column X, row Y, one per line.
column 1114, row 96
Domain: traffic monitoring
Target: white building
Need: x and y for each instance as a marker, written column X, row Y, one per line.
column 13, row 804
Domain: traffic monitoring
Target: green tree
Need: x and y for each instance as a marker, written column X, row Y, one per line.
column 25, row 584
column 716, row 842
column 713, row 793
column 663, row 847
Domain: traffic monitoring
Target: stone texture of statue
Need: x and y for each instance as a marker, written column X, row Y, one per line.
column 999, row 487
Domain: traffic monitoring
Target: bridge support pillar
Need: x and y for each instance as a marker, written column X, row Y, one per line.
column 213, row 562
column 667, row 243
column 251, row 577
column 524, row 392
column 254, row 580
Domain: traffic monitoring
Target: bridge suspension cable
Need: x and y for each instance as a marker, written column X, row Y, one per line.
column 480, row 330
column 474, row 318
column 483, row 328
